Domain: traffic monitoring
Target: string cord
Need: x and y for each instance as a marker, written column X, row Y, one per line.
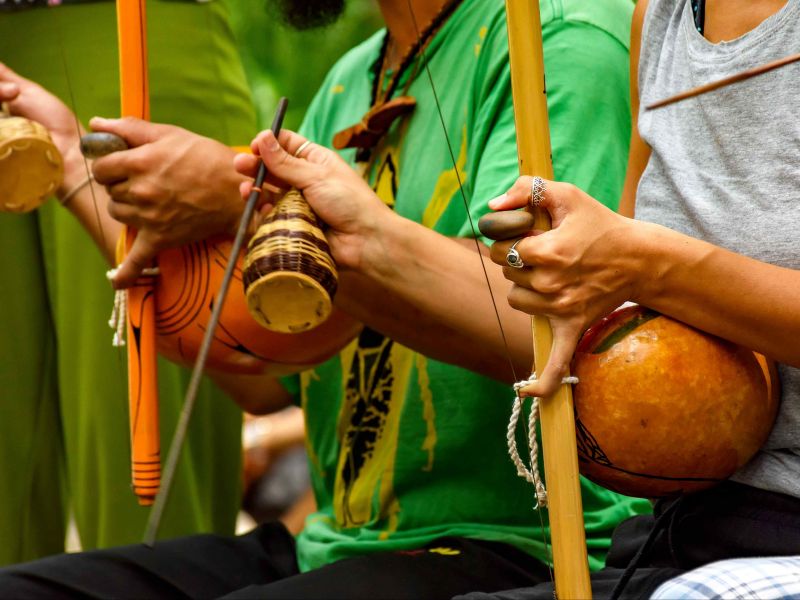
column 531, row 434
column 71, row 94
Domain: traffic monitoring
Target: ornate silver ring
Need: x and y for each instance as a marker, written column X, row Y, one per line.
column 538, row 188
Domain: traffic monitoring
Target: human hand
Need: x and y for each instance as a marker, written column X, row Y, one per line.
column 175, row 187
column 579, row 271
column 338, row 195
column 28, row 99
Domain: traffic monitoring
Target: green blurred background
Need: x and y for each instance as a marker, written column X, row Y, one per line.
column 283, row 62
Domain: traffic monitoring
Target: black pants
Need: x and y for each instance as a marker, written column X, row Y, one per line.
column 728, row 521
column 263, row 564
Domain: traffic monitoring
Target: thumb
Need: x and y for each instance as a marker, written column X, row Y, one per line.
column 565, row 340
column 139, row 257
column 296, row 172
column 134, row 131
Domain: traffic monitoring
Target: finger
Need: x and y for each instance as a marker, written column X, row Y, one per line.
column 8, row 91
column 125, row 213
column 565, row 340
column 499, row 250
column 134, row 131
column 299, row 173
column 521, row 277
column 246, row 164
column 269, row 193
column 556, row 196
column 118, row 167
column 538, row 248
column 521, row 297
column 245, row 188
column 139, row 257
column 293, row 142
column 516, row 197
column 290, row 140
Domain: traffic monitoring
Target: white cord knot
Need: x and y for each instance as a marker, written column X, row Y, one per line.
column 120, row 311
column 530, row 475
column 520, row 385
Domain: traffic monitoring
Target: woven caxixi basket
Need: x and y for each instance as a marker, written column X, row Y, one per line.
column 30, row 165
column 289, row 276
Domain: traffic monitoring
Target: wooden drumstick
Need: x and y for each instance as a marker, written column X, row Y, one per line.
column 178, row 438
column 715, row 85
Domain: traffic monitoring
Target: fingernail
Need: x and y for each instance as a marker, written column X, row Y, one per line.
column 495, row 202
column 8, row 88
column 272, row 142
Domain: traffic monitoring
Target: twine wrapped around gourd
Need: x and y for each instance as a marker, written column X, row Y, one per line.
column 31, row 167
column 289, row 275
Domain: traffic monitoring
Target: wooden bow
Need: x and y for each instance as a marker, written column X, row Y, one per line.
column 141, row 313
column 570, row 560
column 570, row 555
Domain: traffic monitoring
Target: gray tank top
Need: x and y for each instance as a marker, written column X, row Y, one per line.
column 725, row 168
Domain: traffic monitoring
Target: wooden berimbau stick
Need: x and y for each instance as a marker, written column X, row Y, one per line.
column 715, row 85
column 570, row 558
column 141, row 313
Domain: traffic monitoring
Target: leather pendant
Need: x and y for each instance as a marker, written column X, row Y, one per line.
column 366, row 134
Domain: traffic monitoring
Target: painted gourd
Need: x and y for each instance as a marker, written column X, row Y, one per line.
column 664, row 409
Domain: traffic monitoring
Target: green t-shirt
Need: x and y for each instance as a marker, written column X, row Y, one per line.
column 405, row 449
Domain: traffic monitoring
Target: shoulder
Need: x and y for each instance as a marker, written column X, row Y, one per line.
column 613, row 17
column 655, row 16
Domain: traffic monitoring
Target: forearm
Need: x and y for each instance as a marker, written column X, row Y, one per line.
column 429, row 292
column 89, row 205
column 736, row 297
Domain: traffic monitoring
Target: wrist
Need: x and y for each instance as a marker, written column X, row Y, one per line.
column 652, row 250
column 76, row 170
column 370, row 248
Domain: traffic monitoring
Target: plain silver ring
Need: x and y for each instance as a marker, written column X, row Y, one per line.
column 302, row 147
column 538, row 188
column 513, row 259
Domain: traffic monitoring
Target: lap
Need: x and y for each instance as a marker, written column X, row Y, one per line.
column 728, row 521
column 200, row 566
column 263, row 564
column 447, row 567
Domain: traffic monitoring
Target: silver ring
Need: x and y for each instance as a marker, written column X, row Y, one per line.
column 513, row 259
column 302, row 147
column 538, row 188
